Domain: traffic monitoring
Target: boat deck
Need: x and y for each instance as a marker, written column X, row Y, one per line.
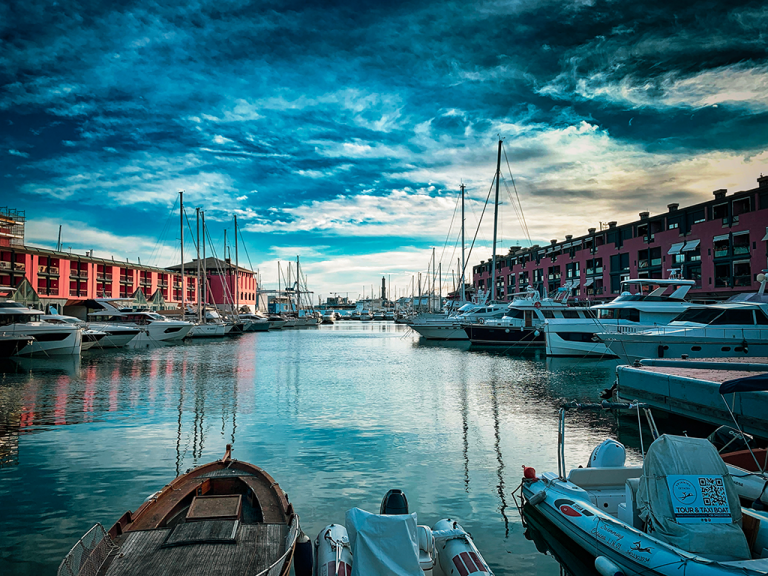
column 201, row 548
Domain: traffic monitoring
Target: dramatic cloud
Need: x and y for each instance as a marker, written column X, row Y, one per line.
column 349, row 130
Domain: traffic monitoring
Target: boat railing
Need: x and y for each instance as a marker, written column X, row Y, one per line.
column 88, row 555
column 290, row 542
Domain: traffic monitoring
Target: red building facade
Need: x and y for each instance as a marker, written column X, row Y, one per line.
column 722, row 244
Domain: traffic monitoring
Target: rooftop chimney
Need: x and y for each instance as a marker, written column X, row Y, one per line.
column 720, row 194
column 553, row 241
column 644, row 215
column 612, row 224
column 763, row 181
column 591, row 230
column 673, row 207
column 568, row 236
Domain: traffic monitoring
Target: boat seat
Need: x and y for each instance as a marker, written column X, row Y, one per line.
column 271, row 509
column 601, row 478
column 628, row 509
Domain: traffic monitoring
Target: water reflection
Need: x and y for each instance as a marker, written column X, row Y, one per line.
column 549, row 539
column 337, row 414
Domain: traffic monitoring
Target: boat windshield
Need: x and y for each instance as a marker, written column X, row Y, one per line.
column 718, row 316
column 7, row 319
column 466, row 308
column 631, row 314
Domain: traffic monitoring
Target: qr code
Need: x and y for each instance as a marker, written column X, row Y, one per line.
column 713, row 491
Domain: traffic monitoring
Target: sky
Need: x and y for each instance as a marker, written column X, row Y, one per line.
column 341, row 132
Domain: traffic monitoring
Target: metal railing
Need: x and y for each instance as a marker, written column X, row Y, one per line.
column 88, row 555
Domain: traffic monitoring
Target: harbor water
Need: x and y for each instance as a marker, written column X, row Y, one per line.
column 337, row 414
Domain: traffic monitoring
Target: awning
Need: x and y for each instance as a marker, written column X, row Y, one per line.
column 691, row 245
column 723, row 238
column 589, row 282
column 757, row 383
column 676, row 248
column 742, row 233
column 765, row 238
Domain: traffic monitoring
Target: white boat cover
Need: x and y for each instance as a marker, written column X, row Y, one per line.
column 684, row 503
column 383, row 545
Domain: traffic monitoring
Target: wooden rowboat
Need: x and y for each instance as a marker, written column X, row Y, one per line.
column 225, row 518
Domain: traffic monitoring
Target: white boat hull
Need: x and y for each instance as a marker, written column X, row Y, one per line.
column 437, row 331
column 118, row 337
column 637, row 347
column 207, row 331
column 49, row 340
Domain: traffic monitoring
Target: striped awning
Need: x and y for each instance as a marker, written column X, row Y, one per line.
column 691, row 245
column 676, row 248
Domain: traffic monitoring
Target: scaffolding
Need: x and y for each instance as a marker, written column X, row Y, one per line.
column 12, row 227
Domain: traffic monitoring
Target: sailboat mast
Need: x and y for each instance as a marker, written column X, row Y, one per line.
column 298, row 287
column 237, row 273
column 181, row 226
column 432, row 295
column 197, row 292
column 463, row 295
column 495, row 225
column 440, row 286
column 205, row 271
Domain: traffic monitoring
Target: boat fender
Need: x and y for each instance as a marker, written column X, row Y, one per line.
column 536, row 333
column 302, row 563
column 537, row 498
column 529, row 473
column 607, row 568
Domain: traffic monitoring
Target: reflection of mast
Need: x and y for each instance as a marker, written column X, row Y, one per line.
column 465, row 426
column 497, row 447
column 178, row 432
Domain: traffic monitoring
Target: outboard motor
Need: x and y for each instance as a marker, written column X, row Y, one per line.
column 727, row 439
column 394, row 502
column 608, row 454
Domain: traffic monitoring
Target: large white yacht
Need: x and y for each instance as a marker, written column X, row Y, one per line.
column 643, row 304
column 155, row 327
column 45, row 339
column 728, row 330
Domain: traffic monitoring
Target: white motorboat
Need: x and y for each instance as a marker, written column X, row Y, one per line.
column 90, row 337
column 155, row 328
column 642, row 305
column 329, row 317
column 254, row 323
column 392, row 542
column 39, row 338
column 205, row 330
column 677, row 513
column 732, row 329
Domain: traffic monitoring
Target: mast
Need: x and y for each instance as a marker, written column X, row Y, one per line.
column 298, row 287
column 279, row 298
column 463, row 295
column 440, row 286
column 181, row 225
column 197, row 292
column 205, row 282
column 432, row 295
column 495, row 225
column 237, row 273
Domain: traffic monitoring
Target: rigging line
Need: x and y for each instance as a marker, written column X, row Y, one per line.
column 186, row 217
column 155, row 250
column 240, row 232
column 518, row 196
column 514, row 207
column 455, row 209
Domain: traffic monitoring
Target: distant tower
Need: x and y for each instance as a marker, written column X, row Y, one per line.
column 383, row 288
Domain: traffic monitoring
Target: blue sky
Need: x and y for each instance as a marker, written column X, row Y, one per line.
column 342, row 132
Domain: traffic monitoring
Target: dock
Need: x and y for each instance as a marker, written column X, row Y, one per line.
column 690, row 388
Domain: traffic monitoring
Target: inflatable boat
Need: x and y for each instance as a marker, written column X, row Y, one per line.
column 679, row 513
column 392, row 542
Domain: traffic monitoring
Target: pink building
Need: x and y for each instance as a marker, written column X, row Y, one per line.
column 722, row 244
column 227, row 284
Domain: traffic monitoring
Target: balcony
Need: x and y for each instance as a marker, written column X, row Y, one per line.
column 5, row 265
column 79, row 274
column 104, row 277
column 22, row 267
column 46, row 271
column 739, row 250
column 721, row 253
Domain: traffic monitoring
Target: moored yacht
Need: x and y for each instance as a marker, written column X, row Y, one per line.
column 444, row 327
column 254, row 323
column 39, row 338
column 642, row 304
column 107, row 336
column 155, row 327
column 520, row 327
column 731, row 329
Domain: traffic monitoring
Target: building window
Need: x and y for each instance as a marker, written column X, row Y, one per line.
column 720, row 212
column 741, row 243
column 722, row 245
column 723, row 275
column 742, row 273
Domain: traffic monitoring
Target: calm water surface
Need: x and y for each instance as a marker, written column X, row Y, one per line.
column 337, row 414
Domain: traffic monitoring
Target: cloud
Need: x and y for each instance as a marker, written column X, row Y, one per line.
column 13, row 152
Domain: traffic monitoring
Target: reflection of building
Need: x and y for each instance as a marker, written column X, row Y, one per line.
column 10, row 419
column 721, row 244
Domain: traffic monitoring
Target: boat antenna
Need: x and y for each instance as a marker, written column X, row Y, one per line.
column 495, row 224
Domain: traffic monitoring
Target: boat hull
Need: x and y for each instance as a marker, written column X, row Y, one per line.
column 437, row 331
column 207, row 331
column 510, row 337
column 49, row 340
column 118, row 337
column 562, row 342
column 638, row 347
